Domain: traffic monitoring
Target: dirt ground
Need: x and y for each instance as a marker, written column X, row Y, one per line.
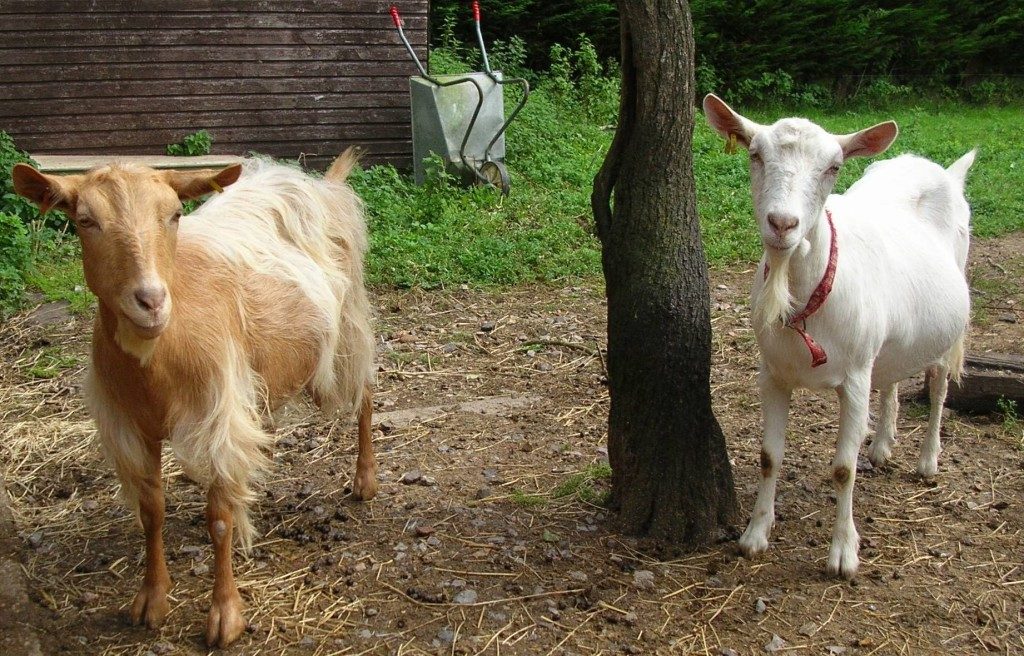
column 488, row 536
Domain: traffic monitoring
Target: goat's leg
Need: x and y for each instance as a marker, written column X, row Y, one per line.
column 885, row 434
column 225, row 622
column 150, row 605
column 364, row 486
column 775, row 410
column 854, row 396
column 938, row 382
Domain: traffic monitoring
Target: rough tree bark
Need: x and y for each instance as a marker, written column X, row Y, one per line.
column 671, row 476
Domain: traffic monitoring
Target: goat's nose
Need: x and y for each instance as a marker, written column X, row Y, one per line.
column 782, row 223
column 151, row 298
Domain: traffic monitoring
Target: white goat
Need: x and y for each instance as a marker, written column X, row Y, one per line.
column 855, row 292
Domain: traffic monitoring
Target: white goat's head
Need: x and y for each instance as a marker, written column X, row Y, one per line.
column 793, row 167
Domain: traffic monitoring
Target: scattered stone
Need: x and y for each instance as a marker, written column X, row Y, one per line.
column 467, row 596
column 725, row 651
column 412, row 477
column 446, row 635
column 202, row 569
column 808, row 629
column 424, row 531
column 775, row 644
column 371, row 612
column 863, row 464
column 365, row 634
column 90, row 505
column 482, row 493
column 576, row 575
column 836, row 649
column 487, row 326
column 308, row 642
column 162, row 647
column 450, row 347
column 89, row 598
column 643, row 579
column 630, row 618
column 760, row 606
column 36, row 539
column 427, row 481
column 1009, row 317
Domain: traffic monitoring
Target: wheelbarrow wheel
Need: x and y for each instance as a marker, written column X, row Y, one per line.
column 496, row 175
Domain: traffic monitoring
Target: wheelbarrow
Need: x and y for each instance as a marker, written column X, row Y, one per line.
column 461, row 117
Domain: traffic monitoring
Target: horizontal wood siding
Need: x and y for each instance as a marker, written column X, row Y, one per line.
column 289, row 78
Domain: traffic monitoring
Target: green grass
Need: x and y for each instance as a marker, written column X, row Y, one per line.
column 524, row 500
column 442, row 234
column 581, row 485
column 51, row 361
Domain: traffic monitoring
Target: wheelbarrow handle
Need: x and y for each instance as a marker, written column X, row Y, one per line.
column 476, row 10
column 395, row 17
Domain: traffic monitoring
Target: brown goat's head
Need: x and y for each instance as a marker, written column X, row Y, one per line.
column 127, row 220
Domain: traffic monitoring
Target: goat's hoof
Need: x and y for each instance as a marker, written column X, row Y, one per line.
column 225, row 623
column 753, row 543
column 150, row 606
column 842, row 563
column 928, row 469
column 878, row 455
column 364, row 487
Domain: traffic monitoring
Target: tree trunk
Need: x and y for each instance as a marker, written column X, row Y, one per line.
column 671, row 476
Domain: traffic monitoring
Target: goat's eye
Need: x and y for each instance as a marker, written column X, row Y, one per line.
column 833, row 170
column 755, row 158
column 175, row 218
column 85, row 223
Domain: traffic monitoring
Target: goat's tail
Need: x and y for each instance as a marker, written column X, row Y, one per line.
column 343, row 165
column 958, row 169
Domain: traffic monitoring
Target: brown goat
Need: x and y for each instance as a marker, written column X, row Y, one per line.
column 206, row 322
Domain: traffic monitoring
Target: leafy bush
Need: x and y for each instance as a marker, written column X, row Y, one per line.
column 197, row 143
column 15, row 255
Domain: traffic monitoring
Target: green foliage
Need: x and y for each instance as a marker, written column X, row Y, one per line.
column 524, row 500
column 845, row 44
column 1008, row 408
column 15, row 255
column 540, row 23
column 581, row 484
column 197, row 143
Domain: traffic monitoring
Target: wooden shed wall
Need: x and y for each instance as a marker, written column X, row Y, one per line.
column 282, row 77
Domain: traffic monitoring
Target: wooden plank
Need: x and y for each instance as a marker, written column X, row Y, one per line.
column 15, row 73
column 214, row 6
column 170, row 37
column 986, row 379
column 291, row 20
column 201, row 118
column 135, row 88
column 290, row 103
column 79, row 163
column 142, row 135
column 187, row 54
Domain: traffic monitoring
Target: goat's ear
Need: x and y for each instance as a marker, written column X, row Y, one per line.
column 193, row 184
column 47, row 191
column 728, row 122
column 870, row 141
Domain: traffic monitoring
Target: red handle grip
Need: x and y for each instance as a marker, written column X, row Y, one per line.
column 476, row 10
column 395, row 17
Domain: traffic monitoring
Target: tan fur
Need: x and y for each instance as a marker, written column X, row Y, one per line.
column 265, row 299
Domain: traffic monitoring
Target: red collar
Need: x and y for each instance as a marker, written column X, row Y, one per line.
column 818, row 297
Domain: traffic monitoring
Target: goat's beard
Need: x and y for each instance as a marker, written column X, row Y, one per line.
column 774, row 305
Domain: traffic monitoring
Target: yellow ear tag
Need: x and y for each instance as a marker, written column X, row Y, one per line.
column 216, row 187
column 730, row 145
